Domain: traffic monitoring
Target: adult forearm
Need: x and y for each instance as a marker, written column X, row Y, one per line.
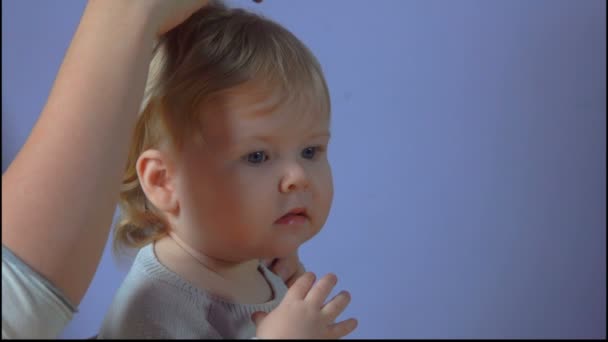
column 61, row 189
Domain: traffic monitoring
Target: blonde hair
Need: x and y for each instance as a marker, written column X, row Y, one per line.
column 216, row 49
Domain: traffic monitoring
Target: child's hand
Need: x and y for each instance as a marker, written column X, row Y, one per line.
column 289, row 268
column 303, row 315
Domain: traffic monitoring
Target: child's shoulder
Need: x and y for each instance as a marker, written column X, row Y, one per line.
column 149, row 275
column 154, row 302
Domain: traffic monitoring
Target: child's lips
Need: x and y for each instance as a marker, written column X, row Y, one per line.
column 292, row 219
column 295, row 216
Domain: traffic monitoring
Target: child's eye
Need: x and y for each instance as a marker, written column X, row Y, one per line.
column 310, row 152
column 257, row 157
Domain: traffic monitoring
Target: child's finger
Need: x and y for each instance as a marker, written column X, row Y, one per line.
column 339, row 330
column 283, row 268
column 300, row 271
column 269, row 262
column 301, row 287
column 258, row 316
column 321, row 290
column 287, row 268
column 335, row 306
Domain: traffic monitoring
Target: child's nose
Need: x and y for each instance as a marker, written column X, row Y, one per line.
column 294, row 178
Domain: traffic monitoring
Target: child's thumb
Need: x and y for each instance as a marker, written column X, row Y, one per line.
column 258, row 316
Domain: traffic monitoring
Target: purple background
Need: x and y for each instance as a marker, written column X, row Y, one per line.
column 469, row 156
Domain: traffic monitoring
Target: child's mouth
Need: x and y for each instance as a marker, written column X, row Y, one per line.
column 294, row 216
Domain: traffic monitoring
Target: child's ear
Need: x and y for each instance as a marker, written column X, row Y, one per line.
column 156, row 174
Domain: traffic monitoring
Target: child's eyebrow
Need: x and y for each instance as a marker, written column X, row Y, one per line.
column 320, row 134
column 273, row 138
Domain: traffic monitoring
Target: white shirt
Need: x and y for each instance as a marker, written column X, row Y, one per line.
column 31, row 306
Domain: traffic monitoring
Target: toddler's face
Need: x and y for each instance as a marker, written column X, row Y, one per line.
column 258, row 183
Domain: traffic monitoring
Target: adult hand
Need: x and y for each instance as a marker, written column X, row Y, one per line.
column 168, row 14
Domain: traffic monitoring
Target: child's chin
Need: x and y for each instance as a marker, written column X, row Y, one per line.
column 285, row 250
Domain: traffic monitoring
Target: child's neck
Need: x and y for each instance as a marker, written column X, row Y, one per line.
column 229, row 270
column 240, row 282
